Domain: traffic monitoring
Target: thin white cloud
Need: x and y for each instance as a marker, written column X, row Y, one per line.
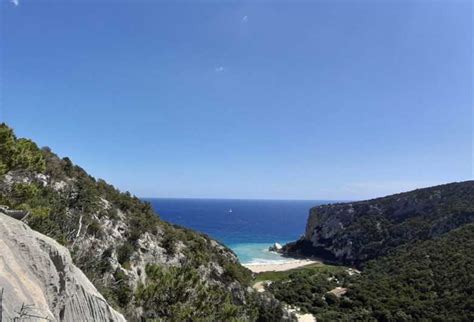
column 219, row 69
column 16, row 3
column 245, row 19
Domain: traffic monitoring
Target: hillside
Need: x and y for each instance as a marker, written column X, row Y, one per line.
column 414, row 250
column 143, row 266
column 428, row 280
column 353, row 233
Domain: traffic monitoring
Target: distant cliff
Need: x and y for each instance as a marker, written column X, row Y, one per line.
column 38, row 280
column 355, row 232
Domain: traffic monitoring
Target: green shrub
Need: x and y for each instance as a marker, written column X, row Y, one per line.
column 124, row 252
column 169, row 242
column 94, row 228
column 179, row 294
column 122, row 290
column 238, row 272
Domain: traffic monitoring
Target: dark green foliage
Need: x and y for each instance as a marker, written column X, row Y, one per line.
column 169, row 243
column 429, row 280
column 267, row 309
column 94, row 228
column 316, row 268
column 416, row 264
column 307, row 288
column 235, row 271
column 179, row 294
column 70, row 206
column 124, row 252
column 16, row 153
column 421, row 214
column 372, row 228
column 122, row 290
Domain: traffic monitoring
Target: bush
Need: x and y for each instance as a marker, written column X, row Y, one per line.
column 122, row 289
column 178, row 293
column 237, row 272
column 169, row 242
column 124, row 252
column 94, row 228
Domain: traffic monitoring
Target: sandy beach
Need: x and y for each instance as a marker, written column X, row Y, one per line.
column 279, row 267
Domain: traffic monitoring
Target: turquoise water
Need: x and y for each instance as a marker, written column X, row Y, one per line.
column 248, row 227
column 256, row 253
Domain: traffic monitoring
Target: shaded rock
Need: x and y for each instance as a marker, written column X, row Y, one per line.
column 17, row 214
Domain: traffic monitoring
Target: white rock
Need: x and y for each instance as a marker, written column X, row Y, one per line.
column 275, row 247
column 38, row 272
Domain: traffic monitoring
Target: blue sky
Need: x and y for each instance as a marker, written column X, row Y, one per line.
column 280, row 100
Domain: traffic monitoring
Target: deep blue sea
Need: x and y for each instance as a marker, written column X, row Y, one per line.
column 248, row 227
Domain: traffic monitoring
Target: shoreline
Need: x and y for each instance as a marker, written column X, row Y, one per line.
column 279, row 266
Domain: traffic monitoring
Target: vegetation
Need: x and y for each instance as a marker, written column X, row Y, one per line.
column 365, row 230
column 178, row 294
column 18, row 153
column 416, row 264
column 69, row 205
column 429, row 280
column 414, row 249
column 312, row 269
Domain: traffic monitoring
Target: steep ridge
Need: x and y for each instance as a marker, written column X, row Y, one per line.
column 38, row 274
column 144, row 267
column 356, row 232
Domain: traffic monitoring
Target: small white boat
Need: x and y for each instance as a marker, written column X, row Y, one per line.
column 230, row 210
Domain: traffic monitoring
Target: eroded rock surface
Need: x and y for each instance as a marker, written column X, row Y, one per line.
column 40, row 281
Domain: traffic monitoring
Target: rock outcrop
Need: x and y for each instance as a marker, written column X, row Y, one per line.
column 356, row 232
column 17, row 214
column 40, row 282
column 276, row 247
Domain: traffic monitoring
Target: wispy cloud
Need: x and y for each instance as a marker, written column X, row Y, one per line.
column 220, row 69
column 245, row 19
column 16, row 3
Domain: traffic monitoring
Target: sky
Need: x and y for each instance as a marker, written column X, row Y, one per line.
column 232, row 99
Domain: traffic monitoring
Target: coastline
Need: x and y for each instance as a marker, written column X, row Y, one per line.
column 279, row 266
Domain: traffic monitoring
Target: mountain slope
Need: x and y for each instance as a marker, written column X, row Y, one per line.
column 122, row 245
column 356, row 232
column 414, row 250
column 429, row 280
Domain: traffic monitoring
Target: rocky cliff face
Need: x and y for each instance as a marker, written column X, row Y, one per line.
column 40, row 281
column 359, row 231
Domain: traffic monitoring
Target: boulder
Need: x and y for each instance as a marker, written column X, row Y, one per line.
column 276, row 247
column 38, row 280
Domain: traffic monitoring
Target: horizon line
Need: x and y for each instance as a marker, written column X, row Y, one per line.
column 256, row 199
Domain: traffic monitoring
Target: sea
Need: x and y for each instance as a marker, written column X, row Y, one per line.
column 248, row 227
